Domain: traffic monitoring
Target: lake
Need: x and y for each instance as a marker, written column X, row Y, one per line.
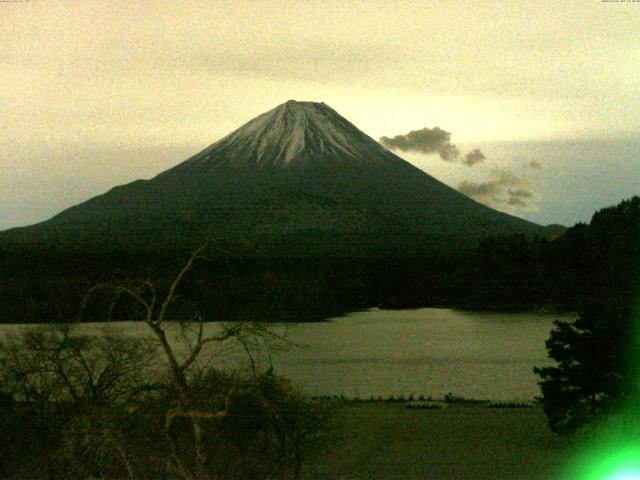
column 422, row 351
column 402, row 352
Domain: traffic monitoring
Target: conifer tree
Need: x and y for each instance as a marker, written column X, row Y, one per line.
column 598, row 354
column 595, row 371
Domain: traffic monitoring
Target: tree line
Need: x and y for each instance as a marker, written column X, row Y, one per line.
column 506, row 273
column 563, row 273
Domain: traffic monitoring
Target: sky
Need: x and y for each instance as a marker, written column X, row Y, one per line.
column 529, row 107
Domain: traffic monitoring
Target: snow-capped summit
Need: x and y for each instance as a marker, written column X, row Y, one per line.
column 294, row 134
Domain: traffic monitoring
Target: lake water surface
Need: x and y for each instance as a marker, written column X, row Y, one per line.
column 423, row 351
column 402, row 352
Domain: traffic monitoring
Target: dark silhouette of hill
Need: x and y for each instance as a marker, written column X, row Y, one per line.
column 585, row 264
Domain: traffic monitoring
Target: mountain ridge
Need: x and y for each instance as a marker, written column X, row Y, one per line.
column 297, row 180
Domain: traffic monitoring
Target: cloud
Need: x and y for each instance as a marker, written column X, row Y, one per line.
column 433, row 141
column 517, row 202
column 473, row 157
column 535, row 164
column 503, row 190
column 476, row 190
column 449, row 152
column 521, row 193
column 427, row 141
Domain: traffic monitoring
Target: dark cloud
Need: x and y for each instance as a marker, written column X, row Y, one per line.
column 504, row 189
column 427, row 141
column 473, row 157
column 521, row 193
column 449, row 152
column 535, row 164
column 433, row 141
column 474, row 190
column 517, row 202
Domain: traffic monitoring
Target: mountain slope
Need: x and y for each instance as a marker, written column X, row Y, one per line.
column 299, row 180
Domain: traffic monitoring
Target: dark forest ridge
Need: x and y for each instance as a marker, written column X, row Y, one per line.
column 297, row 181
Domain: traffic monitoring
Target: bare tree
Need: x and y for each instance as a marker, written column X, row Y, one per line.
column 216, row 423
column 78, row 383
column 156, row 310
column 55, row 363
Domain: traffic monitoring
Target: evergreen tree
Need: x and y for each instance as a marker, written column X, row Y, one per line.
column 595, row 372
column 598, row 354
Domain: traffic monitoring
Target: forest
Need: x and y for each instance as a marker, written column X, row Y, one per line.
column 505, row 273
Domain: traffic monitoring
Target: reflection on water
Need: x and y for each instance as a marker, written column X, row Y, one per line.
column 422, row 351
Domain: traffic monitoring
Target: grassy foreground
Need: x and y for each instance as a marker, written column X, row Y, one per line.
column 462, row 442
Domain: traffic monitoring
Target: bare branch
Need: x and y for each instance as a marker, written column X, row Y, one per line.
column 202, row 341
column 174, row 285
column 137, row 298
column 117, row 291
column 154, row 295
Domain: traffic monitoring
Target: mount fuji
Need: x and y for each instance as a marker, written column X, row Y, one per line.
column 297, row 181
